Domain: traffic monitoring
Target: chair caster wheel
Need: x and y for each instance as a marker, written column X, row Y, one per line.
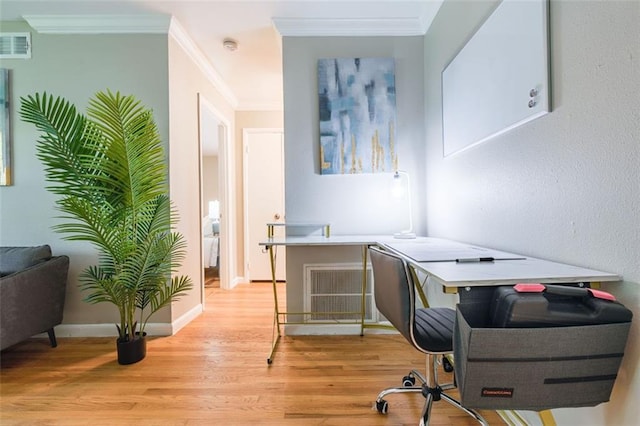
column 382, row 406
column 446, row 364
column 408, row 381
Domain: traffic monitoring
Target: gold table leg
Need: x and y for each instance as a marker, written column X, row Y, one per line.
column 275, row 338
column 363, row 302
column 423, row 297
column 547, row 418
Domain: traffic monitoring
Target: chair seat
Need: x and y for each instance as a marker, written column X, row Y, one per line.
column 433, row 330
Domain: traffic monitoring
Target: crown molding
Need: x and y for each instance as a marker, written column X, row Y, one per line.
column 99, row 24
column 253, row 105
column 132, row 24
column 184, row 40
column 303, row 27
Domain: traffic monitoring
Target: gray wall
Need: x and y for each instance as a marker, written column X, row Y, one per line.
column 75, row 67
column 566, row 186
column 352, row 204
column 159, row 71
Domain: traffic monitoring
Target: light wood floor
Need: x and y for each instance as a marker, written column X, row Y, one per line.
column 214, row 372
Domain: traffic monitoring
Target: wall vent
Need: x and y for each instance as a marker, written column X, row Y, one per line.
column 15, row 45
column 337, row 287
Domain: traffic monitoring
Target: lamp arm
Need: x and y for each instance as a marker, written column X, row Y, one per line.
column 409, row 232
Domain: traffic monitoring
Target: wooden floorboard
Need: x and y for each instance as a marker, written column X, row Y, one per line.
column 214, row 372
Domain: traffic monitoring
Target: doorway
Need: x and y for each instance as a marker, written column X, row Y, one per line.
column 214, row 153
column 263, row 175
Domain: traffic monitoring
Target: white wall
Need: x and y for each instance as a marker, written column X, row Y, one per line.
column 566, row 186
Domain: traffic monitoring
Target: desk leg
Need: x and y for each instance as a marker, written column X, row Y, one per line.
column 363, row 301
column 423, row 297
column 547, row 418
column 276, row 313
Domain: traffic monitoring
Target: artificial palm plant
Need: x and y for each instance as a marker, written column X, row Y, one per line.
column 108, row 169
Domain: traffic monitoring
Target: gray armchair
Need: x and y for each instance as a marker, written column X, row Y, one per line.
column 32, row 292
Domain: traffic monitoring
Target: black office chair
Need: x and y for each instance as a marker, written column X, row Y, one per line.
column 429, row 330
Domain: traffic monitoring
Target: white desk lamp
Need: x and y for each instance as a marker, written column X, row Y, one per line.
column 214, row 216
column 398, row 191
column 214, row 209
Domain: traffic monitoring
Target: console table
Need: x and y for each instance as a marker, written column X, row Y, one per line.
column 280, row 316
column 466, row 269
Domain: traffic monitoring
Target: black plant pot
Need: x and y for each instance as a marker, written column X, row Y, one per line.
column 132, row 351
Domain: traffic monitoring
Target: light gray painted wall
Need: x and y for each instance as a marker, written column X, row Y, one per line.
column 566, row 186
column 352, row 204
column 75, row 67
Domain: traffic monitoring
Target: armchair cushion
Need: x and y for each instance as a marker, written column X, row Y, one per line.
column 31, row 299
column 14, row 259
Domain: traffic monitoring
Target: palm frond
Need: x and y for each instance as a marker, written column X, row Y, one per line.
column 179, row 286
column 63, row 146
column 109, row 169
column 137, row 166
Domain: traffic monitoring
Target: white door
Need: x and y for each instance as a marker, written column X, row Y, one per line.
column 264, row 199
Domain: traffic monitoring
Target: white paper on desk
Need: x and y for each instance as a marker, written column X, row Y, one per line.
column 448, row 251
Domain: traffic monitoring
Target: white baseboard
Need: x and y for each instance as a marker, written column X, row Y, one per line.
column 85, row 330
column 186, row 318
column 109, row 330
column 236, row 281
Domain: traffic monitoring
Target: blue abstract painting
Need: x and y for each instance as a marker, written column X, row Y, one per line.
column 357, row 100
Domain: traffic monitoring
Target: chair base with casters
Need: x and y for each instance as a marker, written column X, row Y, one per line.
column 429, row 330
column 431, row 394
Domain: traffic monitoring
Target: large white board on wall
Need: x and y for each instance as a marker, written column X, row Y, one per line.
column 500, row 78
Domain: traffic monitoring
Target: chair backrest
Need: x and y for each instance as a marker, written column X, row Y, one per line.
column 393, row 290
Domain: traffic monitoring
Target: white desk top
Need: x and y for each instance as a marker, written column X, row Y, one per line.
column 436, row 257
column 334, row 240
column 299, row 224
column 439, row 250
column 507, row 272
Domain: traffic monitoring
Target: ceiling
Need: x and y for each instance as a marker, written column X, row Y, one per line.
column 253, row 73
column 251, row 76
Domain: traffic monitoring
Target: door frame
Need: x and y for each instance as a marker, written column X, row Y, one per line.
column 225, row 182
column 245, row 193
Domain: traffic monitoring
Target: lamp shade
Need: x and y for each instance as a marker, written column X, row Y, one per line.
column 214, row 209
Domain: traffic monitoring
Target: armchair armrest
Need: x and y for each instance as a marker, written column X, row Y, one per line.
column 32, row 300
